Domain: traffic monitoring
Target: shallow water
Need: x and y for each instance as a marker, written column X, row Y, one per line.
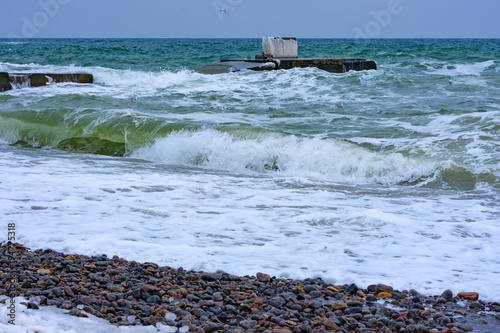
column 378, row 176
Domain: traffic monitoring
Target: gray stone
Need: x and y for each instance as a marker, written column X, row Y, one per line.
column 54, row 301
column 476, row 305
column 354, row 303
column 56, row 291
column 308, row 288
column 75, row 312
column 277, row 302
column 153, row 299
column 247, row 324
column 421, row 329
column 315, row 294
column 212, row 327
column 447, row 295
column 465, row 327
column 67, row 290
column 353, row 310
column 209, row 277
column 338, row 306
column 352, row 289
column 33, row 306
column 217, row 297
column 263, row 277
column 382, row 288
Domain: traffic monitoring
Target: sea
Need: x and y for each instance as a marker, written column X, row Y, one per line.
column 382, row 176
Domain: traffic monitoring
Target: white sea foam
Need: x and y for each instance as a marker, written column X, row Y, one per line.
column 459, row 135
column 272, row 86
column 37, row 68
column 474, row 69
column 130, row 78
column 53, row 320
column 291, row 226
column 325, row 159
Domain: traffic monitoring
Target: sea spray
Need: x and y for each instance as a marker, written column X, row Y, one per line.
column 327, row 159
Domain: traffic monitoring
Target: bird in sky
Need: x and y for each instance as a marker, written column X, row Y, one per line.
column 223, row 10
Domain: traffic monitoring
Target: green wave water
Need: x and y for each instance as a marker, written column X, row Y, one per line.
column 431, row 100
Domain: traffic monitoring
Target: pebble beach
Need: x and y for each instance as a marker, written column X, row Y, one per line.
column 129, row 293
column 294, row 200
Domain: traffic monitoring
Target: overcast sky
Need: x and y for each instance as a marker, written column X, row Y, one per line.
column 250, row 18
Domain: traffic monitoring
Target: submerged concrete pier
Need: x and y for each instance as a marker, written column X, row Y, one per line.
column 329, row 65
column 9, row 81
column 281, row 53
column 4, row 82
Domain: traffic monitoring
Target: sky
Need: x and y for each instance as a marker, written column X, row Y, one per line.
column 250, row 18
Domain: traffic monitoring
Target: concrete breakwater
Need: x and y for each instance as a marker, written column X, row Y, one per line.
column 4, row 81
column 329, row 65
column 281, row 53
column 10, row 81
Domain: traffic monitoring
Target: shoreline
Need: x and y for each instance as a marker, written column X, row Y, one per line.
column 129, row 293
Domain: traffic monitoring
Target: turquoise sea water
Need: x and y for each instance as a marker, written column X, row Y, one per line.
column 359, row 177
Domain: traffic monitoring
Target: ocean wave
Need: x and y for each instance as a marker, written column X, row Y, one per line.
column 82, row 129
column 326, row 159
column 37, row 68
column 118, row 78
column 13, row 43
column 474, row 69
column 178, row 141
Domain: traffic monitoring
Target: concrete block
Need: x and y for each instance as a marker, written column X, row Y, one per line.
column 4, row 82
column 215, row 69
column 19, row 81
column 25, row 80
column 359, row 65
column 42, row 79
column 280, row 47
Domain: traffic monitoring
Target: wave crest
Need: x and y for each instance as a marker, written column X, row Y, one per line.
column 326, row 159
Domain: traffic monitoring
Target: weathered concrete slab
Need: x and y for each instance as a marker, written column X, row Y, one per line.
column 20, row 80
column 228, row 66
column 4, row 81
column 280, row 47
column 215, row 69
column 24, row 80
column 255, row 65
column 42, row 79
column 359, row 65
column 329, row 65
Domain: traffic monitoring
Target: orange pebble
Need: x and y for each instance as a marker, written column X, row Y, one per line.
column 470, row 296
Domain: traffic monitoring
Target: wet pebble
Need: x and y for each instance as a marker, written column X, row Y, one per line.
column 131, row 293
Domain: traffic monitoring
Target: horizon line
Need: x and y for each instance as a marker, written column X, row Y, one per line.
column 345, row 38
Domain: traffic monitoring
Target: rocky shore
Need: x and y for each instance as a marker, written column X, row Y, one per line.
column 132, row 293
